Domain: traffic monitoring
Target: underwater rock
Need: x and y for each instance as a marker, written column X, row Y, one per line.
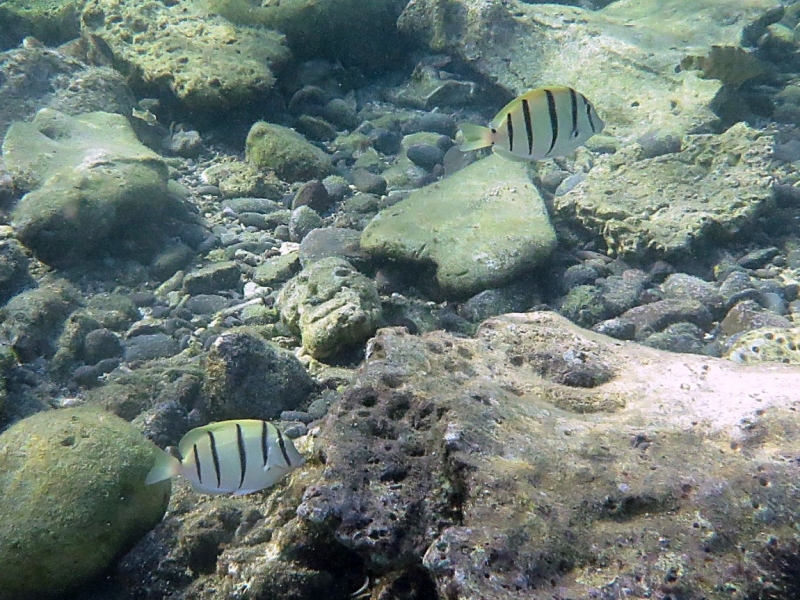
column 246, row 377
column 205, row 61
column 286, row 152
column 333, row 241
column 360, row 32
column 303, row 220
column 530, row 479
column 14, row 273
column 50, row 22
column 32, row 319
column 237, row 179
column 766, row 344
column 622, row 57
column 276, row 270
column 92, row 188
column 35, row 77
column 213, row 278
column 331, row 306
column 665, row 206
column 73, row 499
column 480, row 227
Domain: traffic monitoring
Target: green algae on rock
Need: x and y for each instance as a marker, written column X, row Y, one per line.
column 73, row 499
column 363, row 32
column 51, row 21
column 480, row 227
column 331, row 306
column 289, row 154
column 666, row 206
column 208, row 63
column 767, row 344
column 246, row 377
column 90, row 184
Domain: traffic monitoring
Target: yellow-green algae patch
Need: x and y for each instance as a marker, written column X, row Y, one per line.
column 767, row 344
column 73, row 499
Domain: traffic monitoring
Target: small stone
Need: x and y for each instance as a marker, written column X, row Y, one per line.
column 206, row 304
column 681, row 285
column 315, row 128
column 758, row 258
column 187, row 144
column 425, row 155
column 364, row 181
column 385, row 141
column 736, row 287
column 248, row 378
column 213, row 278
column 314, row 195
column 332, row 241
column 616, row 328
column 100, row 344
column 149, row 347
column 654, row 317
column 748, row 314
column 658, row 143
column 678, row 337
column 303, row 220
column 277, row 269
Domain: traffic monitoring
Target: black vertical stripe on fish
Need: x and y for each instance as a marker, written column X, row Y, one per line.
column 282, row 445
column 551, row 108
column 264, row 443
column 510, row 127
column 589, row 113
column 526, row 112
column 197, row 464
column 573, row 101
column 215, row 457
column 242, row 454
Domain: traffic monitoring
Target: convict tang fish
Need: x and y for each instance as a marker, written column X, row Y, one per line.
column 543, row 123
column 236, row 457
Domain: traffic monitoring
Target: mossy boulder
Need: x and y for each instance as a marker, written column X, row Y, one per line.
column 480, row 227
column 73, row 499
column 331, row 306
column 92, row 188
column 289, row 154
column 677, row 203
column 205, row 61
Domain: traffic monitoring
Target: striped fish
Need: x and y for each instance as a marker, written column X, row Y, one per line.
column 543, row 123
column 229, row 456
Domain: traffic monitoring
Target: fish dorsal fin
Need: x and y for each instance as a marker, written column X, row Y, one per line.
column 501, row 114
column 191, row 438
column 531, row 96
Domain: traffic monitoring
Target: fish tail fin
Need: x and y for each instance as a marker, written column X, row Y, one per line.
column 474, row 137
column 166, row 467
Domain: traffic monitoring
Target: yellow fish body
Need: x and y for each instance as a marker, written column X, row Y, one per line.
column 543, row 123
column 236, row 457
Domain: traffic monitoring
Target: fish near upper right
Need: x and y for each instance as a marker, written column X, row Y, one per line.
column 543, row 123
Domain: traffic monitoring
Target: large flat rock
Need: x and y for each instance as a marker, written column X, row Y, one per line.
column 480, row 227
column 540, row 457
column 675, row 203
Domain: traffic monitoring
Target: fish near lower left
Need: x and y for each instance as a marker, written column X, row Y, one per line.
column 238, row 457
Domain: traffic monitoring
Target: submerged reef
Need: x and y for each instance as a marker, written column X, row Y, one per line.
column 506, row 379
